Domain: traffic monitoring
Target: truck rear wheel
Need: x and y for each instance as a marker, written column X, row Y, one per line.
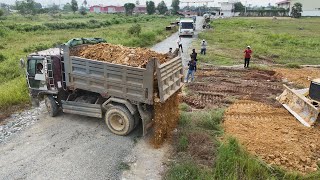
column 119, row 120
column 51, row 105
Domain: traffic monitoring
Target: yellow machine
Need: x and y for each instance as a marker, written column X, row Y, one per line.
column 304, row 104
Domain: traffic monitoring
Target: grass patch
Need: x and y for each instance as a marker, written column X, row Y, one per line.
column 293, row 65
column 282, row 41
column 124, row 166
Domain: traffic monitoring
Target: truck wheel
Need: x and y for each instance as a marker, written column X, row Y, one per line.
column 119, row 120
column 52, row 106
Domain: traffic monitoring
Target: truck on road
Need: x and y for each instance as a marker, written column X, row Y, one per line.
column 122, row 95
column 186, row 27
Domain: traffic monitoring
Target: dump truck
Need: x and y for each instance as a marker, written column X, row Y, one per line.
column 303, row 104
column 122, row 95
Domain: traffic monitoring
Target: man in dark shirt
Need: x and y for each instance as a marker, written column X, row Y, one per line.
column 193, row 55
column 192, row 69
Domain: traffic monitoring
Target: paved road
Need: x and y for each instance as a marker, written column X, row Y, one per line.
column 70, row 146
column 65, row 147
column 171, row 41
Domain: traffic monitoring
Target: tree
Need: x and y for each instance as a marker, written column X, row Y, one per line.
column 162, row 7
column 67, row 7
column 1, row 12
column 85, row 3
column 151, row 8
column 296, row 10
column 129, row 7
column 74, row 5
column 54, row 9
column 239, row 7
column 26, row 7
column 83, row 10
column 37, row 5
column 175, row 6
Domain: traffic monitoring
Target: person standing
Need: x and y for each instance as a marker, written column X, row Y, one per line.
column 203, row 47
column 193, row 55
column 192, row 69
column 179, row 42
column 247, row 56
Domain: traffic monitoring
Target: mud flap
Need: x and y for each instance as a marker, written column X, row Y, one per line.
column 146, row 114
column 295, row 101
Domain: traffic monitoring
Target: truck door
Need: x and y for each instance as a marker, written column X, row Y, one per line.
column 36, row 73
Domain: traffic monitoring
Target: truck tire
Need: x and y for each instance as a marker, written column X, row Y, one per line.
column 119, row 120
column 51, row 105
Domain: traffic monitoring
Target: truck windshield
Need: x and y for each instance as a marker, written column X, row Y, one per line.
column 186, row 25
column 35, row 66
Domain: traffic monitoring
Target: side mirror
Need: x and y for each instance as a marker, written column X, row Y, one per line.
column 22, row 63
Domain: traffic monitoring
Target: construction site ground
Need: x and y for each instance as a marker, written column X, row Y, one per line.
column 254, row 116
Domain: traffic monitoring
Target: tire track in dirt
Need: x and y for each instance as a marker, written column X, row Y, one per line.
column 274, row 135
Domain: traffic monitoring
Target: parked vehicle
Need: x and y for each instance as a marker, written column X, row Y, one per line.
column 122, row 95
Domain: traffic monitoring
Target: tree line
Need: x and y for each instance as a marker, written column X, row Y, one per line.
column 30, row 7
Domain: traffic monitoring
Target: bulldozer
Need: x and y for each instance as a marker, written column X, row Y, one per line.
column 303, row 104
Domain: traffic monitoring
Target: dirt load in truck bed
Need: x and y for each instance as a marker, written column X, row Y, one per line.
column 118, row 54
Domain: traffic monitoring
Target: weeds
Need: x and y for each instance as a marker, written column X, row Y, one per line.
column 2, row 57
column 183, row 143
column 293, row 65
column 124, row 166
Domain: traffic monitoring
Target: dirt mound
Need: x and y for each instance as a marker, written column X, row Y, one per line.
column 219, row 87
column 274, row 135
column 166, row 117
column 299, row 76
column 118, row 54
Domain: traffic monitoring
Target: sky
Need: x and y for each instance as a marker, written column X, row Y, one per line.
column 121, row 2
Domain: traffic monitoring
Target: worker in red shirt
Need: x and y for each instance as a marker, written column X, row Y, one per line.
column 247, row 56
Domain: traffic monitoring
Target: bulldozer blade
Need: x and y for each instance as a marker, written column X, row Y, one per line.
column 302, row 108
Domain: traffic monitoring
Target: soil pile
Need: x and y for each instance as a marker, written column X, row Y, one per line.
column 274, row 135
column 166, row 117
column 299, row 76
column 118, row 54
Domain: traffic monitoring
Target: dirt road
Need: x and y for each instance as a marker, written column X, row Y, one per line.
column 72, row 146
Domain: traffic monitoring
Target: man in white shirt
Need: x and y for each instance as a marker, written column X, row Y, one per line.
column 203, row 47
column 179, row 42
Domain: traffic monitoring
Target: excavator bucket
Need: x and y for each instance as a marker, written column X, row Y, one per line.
column 299, row 105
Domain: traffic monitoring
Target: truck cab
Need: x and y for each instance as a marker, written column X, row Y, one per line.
column 186, row 27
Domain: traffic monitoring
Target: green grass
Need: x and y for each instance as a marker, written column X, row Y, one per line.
column 282, row 41
column 17, row 44
column 231, row 160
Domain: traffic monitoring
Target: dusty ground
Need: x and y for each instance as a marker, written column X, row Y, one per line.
column 301, row 76
column 255, row 117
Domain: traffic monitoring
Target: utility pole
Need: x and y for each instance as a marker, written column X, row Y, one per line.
column 245, row 8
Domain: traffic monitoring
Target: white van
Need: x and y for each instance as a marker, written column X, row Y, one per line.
column 186, row 27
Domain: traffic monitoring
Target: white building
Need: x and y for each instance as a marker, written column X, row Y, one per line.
column 227, row 8
column 309, row 7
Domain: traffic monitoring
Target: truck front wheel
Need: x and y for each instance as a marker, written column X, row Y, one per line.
column 119, row 120
column 51, row 105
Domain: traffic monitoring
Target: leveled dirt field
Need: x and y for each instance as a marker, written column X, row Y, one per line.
column 254, row 117
column 274, row 135
column 301, row 76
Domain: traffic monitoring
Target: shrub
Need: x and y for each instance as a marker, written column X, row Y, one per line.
column 2, row 57
column 135, row 29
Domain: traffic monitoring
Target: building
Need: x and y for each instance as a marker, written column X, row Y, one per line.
column 141, row 9
column 111, row 9
column 309, row 7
